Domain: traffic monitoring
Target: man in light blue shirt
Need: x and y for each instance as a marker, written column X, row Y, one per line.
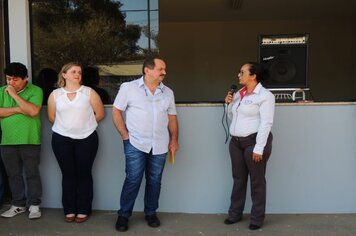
column 150, row 131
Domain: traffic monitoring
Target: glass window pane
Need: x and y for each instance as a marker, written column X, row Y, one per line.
column 110, row 35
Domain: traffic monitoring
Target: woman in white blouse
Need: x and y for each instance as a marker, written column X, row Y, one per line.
column 251, row 110
column 75, row 111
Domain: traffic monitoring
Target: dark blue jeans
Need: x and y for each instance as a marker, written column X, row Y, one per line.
column 75, row 158
column 137, row 163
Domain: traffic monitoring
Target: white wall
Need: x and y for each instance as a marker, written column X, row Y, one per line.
column 311, row 169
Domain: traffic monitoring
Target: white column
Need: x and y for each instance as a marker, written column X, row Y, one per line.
column 19, row 32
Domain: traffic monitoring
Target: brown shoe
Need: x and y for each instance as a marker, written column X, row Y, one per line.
column 81, row 219
column 69, row 218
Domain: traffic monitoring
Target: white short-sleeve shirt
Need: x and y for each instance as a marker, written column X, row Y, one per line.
column 146, row 115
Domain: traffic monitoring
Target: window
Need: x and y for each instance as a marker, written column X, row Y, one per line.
column 110, row 35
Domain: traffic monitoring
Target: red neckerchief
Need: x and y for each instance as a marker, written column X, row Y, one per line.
column 244, row 92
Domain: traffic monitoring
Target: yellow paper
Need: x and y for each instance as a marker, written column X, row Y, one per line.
column 171, row 157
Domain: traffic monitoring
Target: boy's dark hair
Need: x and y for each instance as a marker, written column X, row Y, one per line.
column 16, row 69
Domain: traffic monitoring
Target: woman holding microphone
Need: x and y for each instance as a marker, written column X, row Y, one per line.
column 251, row 110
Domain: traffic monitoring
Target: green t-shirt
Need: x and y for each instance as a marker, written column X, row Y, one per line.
column 20, row 129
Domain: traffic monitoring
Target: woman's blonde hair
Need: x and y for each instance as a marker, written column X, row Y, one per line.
column 61, row 81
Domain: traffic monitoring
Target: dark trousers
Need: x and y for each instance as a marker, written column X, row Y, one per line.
column 243, row 166
column 3, row 180
column 21, row 163
column 75, row 158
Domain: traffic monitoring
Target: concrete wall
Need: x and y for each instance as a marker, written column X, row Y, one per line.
column 311, row 170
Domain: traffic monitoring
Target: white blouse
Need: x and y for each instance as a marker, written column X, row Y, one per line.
column 253, row 114
column 74, row 118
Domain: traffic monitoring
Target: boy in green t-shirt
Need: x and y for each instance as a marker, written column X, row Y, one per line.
column 20, row 105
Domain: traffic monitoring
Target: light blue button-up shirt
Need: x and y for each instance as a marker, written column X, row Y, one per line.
column 146, row 115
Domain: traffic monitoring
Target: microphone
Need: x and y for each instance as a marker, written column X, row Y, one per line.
column 233, row 88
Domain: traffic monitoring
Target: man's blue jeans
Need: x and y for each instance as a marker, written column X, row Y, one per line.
column 137, row 163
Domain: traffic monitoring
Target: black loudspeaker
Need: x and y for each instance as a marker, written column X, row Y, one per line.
column 287, row 65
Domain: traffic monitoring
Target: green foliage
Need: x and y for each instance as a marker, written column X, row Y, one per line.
column 87, row 31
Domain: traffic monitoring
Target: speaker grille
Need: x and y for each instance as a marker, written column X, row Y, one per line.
column 286, row 64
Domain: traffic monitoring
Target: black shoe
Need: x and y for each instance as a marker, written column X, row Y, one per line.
column 122, row 224
column 230, row 222
column 254, row 227
column 153, row 221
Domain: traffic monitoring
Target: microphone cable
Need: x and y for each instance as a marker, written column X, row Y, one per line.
column 232, row 90
column 225, row 118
